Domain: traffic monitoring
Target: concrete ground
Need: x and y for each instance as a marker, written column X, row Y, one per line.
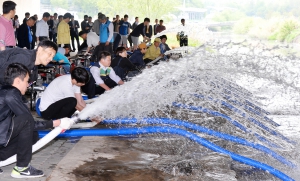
column 45, row 159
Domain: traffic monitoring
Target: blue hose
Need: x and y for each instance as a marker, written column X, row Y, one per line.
column 191, row 136
column 218, row 114
column 273, row 132
column 201, row 129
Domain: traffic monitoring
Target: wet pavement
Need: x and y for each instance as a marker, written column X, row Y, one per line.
column 45, row 159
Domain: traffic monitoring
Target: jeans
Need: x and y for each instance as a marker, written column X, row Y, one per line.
column 77, row 40
column 54, row 37
column 108, row 48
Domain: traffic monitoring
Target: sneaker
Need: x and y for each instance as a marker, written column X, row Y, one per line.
column 27, row 172
column 1, row 171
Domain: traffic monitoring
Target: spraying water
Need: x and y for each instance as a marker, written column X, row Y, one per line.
column 244, row 80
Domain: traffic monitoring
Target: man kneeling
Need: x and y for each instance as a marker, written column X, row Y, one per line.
column 62, row 97
column 18, row 130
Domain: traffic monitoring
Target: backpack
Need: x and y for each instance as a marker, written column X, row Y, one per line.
column 120, row 71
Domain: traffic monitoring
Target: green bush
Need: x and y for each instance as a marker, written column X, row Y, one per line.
column 294, row 34
column 286, row 31
column 243, row 26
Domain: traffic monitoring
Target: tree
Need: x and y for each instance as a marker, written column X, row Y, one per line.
column 60, row 3
column 142, row 8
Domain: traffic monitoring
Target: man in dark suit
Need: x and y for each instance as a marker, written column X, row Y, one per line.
column 33, row 30
column 74, row 25
column 27, row 15
column 84, row 24
column 50, row 24
column 25, row 37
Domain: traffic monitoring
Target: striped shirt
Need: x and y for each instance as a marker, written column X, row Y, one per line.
column 7, row 33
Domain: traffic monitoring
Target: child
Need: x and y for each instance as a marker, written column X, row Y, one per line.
column 163, row 46
column 103, row 77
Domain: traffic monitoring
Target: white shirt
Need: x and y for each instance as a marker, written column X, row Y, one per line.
column 95, row 71
column 42, row 29
column 60, row 88
column 92, row 39
column 17, row 24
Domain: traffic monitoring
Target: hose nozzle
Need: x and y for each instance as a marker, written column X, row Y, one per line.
column 75, row 118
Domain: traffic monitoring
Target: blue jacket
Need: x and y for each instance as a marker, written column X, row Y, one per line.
column 137, row 58
column 104, row 33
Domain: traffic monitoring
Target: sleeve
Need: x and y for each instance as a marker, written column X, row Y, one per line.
column 161, row 49
column 38, row 29
column 167, row 47
column 89, row 41
column 93, row 28
column 129, row 64
column 60, row 28
column 40, row 125
column 111, row 31
column 76, row 89
column 21, row 36
column 82, row 28
column 114, row 76
column 141, row 28
column 150, row 31
column 66, row 60
column 96, row 74
column 56, row 57
column 77, row 24
column 2, row 35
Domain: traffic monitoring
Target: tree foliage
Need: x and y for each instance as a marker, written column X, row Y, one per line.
column 60, row 4
column 141, row 8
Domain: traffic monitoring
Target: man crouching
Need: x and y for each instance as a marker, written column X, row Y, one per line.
column 18, row 130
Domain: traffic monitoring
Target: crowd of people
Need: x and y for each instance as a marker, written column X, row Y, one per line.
column 24, row 47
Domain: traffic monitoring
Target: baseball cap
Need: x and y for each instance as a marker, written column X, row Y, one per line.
column 142, row 45
column 157, row 40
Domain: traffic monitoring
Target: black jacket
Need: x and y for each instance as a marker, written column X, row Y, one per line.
column 18, row 55
column 139, row 30
column 11, row 105
column 84, row 24
column 74, row 31
column 23, row 38
column 125, row 64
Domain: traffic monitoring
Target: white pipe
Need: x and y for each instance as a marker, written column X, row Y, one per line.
column 42, row 142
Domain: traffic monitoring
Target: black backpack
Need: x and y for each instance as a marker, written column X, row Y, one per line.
column 120, row 71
